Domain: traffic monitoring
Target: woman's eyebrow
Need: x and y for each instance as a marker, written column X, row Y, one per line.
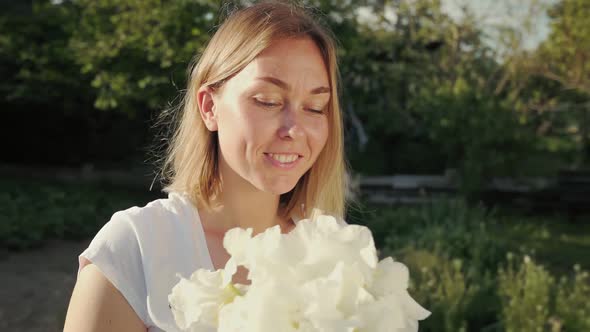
column 285, row 86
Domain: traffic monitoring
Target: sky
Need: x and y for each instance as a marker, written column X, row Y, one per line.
column 508, row 13
column 492, row 14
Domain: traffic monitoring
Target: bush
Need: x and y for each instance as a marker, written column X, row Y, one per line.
column 33, row 212
column 572, row 307
column 478, row 133
column 533, row 301
column 460, row 298
column 452, row 256
column 525, row 292
column 448, row 229
column 457, row 256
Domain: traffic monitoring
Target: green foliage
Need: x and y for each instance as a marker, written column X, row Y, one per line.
column 428, row 90
column 550, row 85
column 572, row 307
column 33, row 212
column 448, row 229
column 35, row 63
column 441, row 285
column 477, row 134
column 564, row 54
column 525, row 291
column 136, row 50
column 422, row 86
column 457, row 254
column 452, row 256
column 533, row 301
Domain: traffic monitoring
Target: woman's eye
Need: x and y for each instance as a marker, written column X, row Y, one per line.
column 267, row 103
column 316, row 110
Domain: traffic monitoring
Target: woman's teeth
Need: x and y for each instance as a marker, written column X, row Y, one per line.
column 284, row 158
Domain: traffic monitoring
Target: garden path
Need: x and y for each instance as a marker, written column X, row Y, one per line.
column 37, row 285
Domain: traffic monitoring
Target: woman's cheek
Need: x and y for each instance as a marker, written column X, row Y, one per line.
column 318, row 133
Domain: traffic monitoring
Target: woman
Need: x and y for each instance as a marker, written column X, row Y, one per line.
column 259, row 144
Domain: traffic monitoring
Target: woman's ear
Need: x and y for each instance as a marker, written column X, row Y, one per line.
column 207, row 107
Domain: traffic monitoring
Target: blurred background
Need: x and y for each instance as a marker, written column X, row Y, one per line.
column 467, row 129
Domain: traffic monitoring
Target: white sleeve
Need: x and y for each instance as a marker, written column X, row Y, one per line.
column 116, row 251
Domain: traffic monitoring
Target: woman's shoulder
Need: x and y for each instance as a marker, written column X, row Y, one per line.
column 140, row 250
column 140, row 233
column 176, row 207
column 158, row 221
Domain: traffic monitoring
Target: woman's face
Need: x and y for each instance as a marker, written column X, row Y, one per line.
column 271, row 117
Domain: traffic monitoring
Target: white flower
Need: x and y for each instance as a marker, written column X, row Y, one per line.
column 265, row 307
column 261, row 254
column 329, row 302
column 391, row 313
column 398, row 311
column 390, row 277
column 383, row 315
column 322, row 243
column 195, row 302
column 323, row 276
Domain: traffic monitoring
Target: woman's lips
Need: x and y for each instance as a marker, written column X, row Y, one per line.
column 290, row 160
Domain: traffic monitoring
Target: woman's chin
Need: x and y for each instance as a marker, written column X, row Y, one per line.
column 278, row 188
column 282, row 190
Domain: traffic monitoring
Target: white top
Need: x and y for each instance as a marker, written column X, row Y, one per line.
column 140, row 250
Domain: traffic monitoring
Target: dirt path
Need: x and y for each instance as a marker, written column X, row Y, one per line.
column 37, row 285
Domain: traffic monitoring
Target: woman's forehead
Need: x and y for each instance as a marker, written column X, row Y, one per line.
column 290, row 61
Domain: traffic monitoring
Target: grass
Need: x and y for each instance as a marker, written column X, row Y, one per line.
column 33, row 211
column 554, row 241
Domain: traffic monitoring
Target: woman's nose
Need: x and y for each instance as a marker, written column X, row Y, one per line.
column 290, row 125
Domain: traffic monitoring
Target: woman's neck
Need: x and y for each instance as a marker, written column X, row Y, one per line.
column 240, row 204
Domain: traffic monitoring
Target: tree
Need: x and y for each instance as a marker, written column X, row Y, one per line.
column 36, row 66
column 137, row 51
column 565, row 58
column 566, row 53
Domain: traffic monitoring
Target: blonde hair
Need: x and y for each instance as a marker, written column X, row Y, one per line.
column 191, row 165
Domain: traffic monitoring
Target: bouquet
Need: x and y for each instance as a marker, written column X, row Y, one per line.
column 322, row 276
